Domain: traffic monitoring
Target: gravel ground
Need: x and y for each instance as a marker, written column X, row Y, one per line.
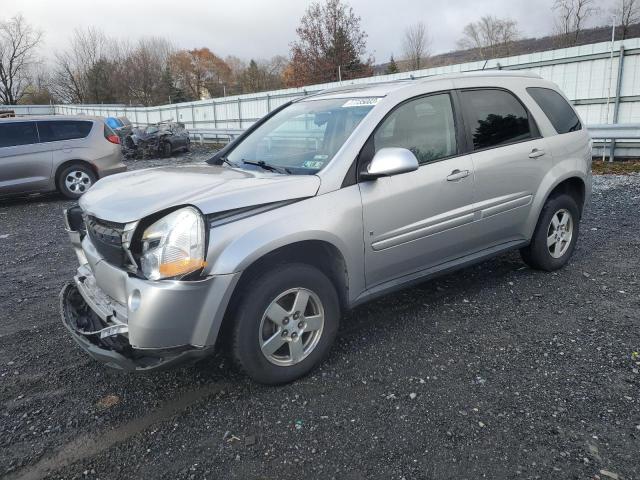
column 496, row 371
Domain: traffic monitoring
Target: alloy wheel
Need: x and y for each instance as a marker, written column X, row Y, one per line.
column 77, row 181
column 560, row 233
column 291, row 327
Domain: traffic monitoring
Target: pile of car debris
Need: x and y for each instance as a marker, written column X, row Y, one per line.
column 161, row 139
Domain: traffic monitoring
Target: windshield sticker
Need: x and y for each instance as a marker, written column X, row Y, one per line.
column 315, row 164
column 320, row 157
column 361, row 102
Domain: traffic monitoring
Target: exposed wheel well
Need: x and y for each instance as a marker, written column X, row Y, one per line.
column 573, row 186
column 64, row 165
column 320, row 254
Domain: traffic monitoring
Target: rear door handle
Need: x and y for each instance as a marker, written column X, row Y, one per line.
column 457, row 175
column 535, row 153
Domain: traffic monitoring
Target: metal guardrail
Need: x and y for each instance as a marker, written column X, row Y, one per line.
column 612, row 133
column 214, row 133
column 627, row 131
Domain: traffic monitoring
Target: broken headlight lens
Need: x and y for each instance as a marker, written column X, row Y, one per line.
column 174, row 246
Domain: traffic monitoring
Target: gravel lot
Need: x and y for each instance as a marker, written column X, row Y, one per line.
column 497, row 371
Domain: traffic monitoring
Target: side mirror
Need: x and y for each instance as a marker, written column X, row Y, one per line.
column 390, row 161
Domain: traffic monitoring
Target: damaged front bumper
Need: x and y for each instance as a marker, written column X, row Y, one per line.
column 108, row 344
column 131, row 323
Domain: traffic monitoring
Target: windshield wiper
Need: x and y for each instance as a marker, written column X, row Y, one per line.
column 266, row 166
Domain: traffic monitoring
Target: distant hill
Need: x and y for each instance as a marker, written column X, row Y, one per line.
column 520, row 47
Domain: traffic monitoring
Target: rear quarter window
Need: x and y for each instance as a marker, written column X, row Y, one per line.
column 556, row 108
column 58, row 130
column 495, row 117
column 18, row 133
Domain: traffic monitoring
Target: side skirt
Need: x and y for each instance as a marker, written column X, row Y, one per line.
column 433, row 272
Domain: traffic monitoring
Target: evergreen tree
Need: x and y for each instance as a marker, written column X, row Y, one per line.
column 392, row 67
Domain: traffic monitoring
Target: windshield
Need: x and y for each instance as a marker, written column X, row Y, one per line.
column 303, row 137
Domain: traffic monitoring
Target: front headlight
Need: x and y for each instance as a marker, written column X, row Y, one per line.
column 174, row 245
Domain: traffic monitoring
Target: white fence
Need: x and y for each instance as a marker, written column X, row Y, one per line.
column 586, row 74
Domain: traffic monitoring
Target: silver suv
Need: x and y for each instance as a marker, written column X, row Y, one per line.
column 68, row 154
column 322, row 205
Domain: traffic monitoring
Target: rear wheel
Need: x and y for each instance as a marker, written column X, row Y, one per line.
column 75, row 180
column 555, row 236
column 166, row 149
column 285, row 323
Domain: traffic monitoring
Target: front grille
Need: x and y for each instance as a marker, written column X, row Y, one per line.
column 107, row 238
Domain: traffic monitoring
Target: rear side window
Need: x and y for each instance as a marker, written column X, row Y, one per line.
column 17, row 133
column 495, row 117
column 555, row 107
column 58, row 130
column 424, row 125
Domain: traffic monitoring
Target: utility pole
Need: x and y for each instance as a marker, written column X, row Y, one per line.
column 613, row 37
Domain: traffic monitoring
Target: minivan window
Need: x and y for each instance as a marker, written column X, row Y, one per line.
column 425, row 126
column 495, row 117
column 17, row 133
column 58, row 130
column 556, row 108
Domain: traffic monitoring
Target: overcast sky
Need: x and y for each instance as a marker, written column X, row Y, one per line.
column 261, row 29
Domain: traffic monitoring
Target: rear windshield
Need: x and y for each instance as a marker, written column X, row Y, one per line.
column 17, row 133
column 58, row 130
column 555, row 107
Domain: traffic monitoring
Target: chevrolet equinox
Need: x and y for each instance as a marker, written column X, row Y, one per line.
column 327, row 202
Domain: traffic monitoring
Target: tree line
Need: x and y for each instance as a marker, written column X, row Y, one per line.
column 330, row 45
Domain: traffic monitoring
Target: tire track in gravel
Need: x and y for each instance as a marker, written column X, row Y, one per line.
column 87, row 446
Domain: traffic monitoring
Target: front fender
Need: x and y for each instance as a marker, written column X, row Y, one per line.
column 335, row 218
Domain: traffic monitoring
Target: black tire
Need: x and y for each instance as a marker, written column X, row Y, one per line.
column 167, row 150
column 256, row 296
column 84, row 176
column 538, row 254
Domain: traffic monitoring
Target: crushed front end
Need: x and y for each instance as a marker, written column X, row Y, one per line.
column 130, row 322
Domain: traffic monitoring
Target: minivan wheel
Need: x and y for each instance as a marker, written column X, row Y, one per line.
column 555, row 236
column 285, row 323
column 75, row 180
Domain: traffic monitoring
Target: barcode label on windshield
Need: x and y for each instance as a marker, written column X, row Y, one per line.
column 361, row 102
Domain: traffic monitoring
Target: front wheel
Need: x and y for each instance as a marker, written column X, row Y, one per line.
column 555, row 236
column 285, row 323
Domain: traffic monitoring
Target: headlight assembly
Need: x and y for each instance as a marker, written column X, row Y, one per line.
column 174, row 246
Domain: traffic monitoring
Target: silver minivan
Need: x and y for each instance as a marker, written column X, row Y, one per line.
column 64, row 153
column 327, row 202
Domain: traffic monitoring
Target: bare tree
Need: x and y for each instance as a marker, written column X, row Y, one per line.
column 330, row 40
column 627, row 13
column 143, row 68
column 18, row 45
column 572, row 15
column 489, row 37
column 72, row 77
column 416, row 45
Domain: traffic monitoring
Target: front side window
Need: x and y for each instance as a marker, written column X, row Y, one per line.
column 555, row 107
column 17, row 133
column 59, row 130
column 303, row 137
column 425, row 126
column 495, row 118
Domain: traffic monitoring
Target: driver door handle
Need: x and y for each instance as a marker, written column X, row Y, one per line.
column 536, row 152
column 457, row 175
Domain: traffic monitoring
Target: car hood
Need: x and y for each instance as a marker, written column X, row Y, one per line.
column 131, row 196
